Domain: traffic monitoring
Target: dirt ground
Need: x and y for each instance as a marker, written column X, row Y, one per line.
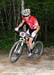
column 26, row 66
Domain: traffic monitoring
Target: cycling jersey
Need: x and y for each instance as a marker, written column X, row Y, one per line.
column 32, row 22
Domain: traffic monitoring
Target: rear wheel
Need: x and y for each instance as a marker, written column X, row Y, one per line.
column 38, row 49
column 13, row 55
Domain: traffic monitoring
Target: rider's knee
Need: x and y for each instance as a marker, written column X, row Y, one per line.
column 30, row 40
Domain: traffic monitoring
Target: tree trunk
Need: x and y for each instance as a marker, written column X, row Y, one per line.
column 4, row 7
column 9, row 15
column 46, row 25
column 2, row 25
column 18, row 14
column 22, row 8
column 14, row 13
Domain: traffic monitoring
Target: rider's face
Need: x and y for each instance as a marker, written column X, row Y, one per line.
column 27, row 17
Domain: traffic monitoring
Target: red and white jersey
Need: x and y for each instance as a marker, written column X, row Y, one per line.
column 32, row 22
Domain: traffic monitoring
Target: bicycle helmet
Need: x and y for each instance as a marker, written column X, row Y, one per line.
column 26, row 12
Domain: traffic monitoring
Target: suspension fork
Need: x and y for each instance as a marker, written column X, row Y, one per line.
column 22, row 43
column 16, row 46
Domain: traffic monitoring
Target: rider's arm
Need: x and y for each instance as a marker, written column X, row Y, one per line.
column 37, row 27
column 21, row 24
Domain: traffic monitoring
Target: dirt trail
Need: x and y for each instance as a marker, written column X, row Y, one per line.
column 26, row 66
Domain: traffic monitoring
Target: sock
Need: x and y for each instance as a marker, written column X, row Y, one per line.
column 30, row 50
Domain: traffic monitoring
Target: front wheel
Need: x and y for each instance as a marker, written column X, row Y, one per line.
column 38, row 49
column 12, row 55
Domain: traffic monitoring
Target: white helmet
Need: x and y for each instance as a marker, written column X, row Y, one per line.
column 26, row 12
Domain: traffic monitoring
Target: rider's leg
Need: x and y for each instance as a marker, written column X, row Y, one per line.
column 30, row 43
column 30, row 47
column 27, row 41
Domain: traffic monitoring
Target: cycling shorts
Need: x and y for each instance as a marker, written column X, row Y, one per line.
column 31, row 32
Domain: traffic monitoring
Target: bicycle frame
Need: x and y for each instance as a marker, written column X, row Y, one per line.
column 24, row 38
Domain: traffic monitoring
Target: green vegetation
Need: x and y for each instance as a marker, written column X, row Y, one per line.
column 49, row 43
column 7, row 42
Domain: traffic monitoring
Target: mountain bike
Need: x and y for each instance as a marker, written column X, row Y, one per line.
column 17, row 48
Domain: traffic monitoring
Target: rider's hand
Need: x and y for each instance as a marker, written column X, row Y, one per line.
column 16, row 29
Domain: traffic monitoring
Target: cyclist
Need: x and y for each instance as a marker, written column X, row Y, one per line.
column 33, row 29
